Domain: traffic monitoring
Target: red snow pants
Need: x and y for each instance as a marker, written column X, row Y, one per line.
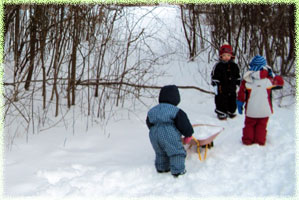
column 255, row 130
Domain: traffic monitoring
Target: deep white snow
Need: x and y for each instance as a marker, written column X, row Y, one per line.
column 117, row 160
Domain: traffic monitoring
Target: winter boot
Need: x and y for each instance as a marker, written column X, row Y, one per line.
column 163, row 171
column 231, row 115
column 221, row 116
column 177, row 175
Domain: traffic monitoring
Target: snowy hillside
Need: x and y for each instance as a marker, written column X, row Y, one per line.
column 117, row 160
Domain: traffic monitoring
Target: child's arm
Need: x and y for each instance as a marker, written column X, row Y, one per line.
column 241, row 98
column 238, row 77
column 215, row 79
column 149, row 125
column 215, row 76
column 242, row 92
column 183, row 124
column 278, row 83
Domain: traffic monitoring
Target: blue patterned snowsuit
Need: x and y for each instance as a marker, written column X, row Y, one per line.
column 167, row 123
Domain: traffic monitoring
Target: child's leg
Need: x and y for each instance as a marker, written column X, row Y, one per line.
column 221, row 105
column 261, row 131
column 232, row 105
column 176, row 153
column 162, row 160
column 248, row 131
column 177, row 163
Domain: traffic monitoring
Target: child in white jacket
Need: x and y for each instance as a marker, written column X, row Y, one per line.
column 255, row 90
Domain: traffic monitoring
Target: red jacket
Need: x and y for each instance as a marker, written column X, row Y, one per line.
column 255, row 90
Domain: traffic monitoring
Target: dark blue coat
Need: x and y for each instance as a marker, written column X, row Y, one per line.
column 167, row 111
column 167, row 123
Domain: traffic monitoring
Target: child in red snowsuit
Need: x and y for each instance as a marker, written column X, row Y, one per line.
column 255, row 90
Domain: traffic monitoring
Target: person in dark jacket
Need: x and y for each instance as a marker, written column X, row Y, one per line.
column 225, row 79
column 167, row 124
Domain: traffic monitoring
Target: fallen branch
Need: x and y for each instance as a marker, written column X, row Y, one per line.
column 144, row 86
column 107, row 83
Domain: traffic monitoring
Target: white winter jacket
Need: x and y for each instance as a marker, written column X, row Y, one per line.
column 255, row 90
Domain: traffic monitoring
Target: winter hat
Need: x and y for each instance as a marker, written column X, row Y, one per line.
column 257, row 63
column 170, row 94
column 226, row 48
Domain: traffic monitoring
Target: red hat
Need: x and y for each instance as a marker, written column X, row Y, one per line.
column 226, row 48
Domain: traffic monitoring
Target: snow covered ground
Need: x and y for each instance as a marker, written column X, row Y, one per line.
column 117, row 160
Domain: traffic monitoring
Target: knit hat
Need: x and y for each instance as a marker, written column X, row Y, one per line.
column 257, row 63
column 226, row 48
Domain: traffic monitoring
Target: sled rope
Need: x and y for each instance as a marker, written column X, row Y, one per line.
column 198, row 142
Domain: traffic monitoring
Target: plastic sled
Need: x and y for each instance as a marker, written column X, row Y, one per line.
column 207, row 141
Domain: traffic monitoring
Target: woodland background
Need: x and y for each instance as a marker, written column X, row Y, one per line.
column 99, row 56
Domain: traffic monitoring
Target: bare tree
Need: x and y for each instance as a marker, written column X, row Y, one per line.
column 192, row 16
column 265, row 29
column 61, row 54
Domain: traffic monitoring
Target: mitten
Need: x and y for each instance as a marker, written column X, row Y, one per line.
column 216, row 89
column 278, row 81
column 240, row 106
column 187, row 140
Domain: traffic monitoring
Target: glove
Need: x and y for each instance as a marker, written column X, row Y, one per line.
column 187, row 140
column 215, row 89
column 278, row 81
column 240, row 106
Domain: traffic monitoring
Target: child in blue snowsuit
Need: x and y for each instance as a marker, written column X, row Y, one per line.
column 167, row 123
